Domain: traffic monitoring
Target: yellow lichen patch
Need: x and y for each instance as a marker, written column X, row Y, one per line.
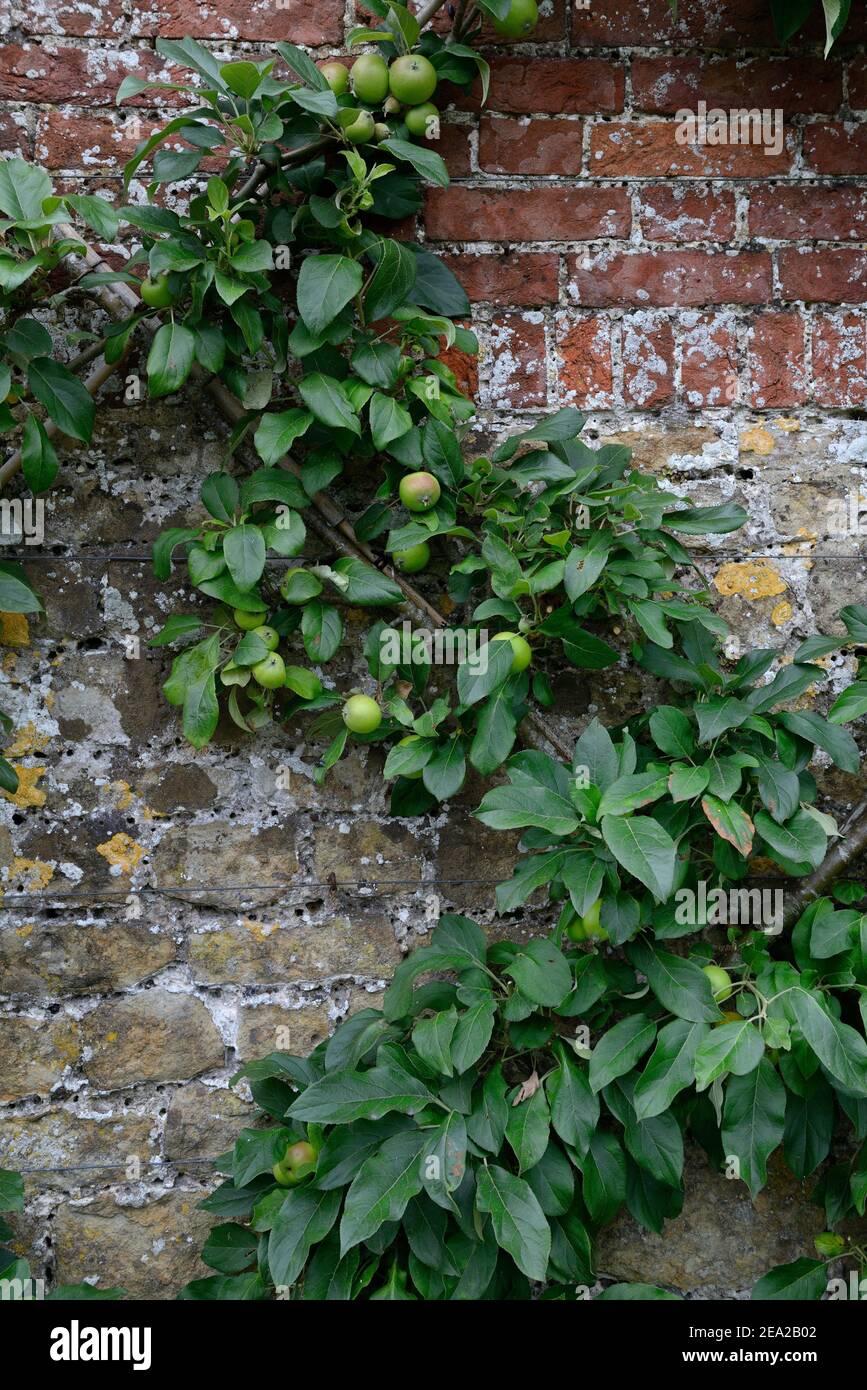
column 14, row 630
column 122, row 852
column 790, row 426
column 803, row 546
column 33, row 874
column 119, row 793
column 781, row 613
column 261, row 930
column 751, row 580
column 27, row 739
column 28, row 794
column 25, row 931
column 756, row 441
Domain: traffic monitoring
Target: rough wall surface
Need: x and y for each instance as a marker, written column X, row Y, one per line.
column 705, row 305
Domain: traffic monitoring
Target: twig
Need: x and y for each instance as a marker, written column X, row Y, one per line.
column 851, row 844
column 262, row 170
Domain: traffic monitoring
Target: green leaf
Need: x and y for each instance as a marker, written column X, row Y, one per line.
column 604, row 1173
column 11, row 1190
column 511, row 808
column 392, row 281
column 836, row 742
column 528, row 1128
column 432, row 1039
column 443, row 774
column 686, row 783
column 779, row 789
column 628, row 793
column 801, row 1281
column 670, row 1068
column 376, row 363
column 644, row 849
column 810, row 1120
column 574, row 1106
column 472, row 1035
column 170, row 359
column 348, row 1095
column 276, row 434
column 329, row 402
column 680, row 985
column 519, row 1223
column 322, row 631
column 244, row 549
column 837, row 1045
column 733, row 1047
column 231, row 1249
column 541, row 972
column 719, row 714
column 427, row 163
column 496, row 730
column 800, row 840
column 383, row 1187
column 304, row 1219
column 657, row 1147
column 754, row 1121
column 201, row 711
column 366, row 586
column 38, row 460
column 706, row 521
column 68, row 404
column 672, row 731
column 388, row 419
column 619, row 1050
column 595, row 751
column 851, row 704
column 325, row 285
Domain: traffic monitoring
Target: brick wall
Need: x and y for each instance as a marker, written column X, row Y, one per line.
column 706, row 306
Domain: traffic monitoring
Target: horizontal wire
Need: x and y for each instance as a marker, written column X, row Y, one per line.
column 116, row 1167
column 75, row 558
column 360, row 883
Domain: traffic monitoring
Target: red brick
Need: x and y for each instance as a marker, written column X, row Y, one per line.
column 517, row 367
column 808, row 213
column 840, row 360
column 524, row 278
column 531, row 214
column 687, row 279
column 549, row 86
column 836, row 149
column 515, row 145
column 586, row 372
column 678, row 212
column 651, row 150
column 735, row 24
column 665, row 85
column 295, row 21
column 776, row 361
column 454, row 147
column 858, row 83
column 95, row 19
column 830, row 277
column 709, row 360
column 91, row 143
column 465, row 367
column 55, row 72
column 648, row 359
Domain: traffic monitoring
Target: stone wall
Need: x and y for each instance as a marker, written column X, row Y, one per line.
column 707, row 313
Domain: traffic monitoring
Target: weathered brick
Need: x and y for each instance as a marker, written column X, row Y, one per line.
column 648, row 359
column 292, row 21
column 152, row 1036
column 36, row 1053
column 275, row 949
column 71, row 139
column 686, row 279
column 515, row 145
column 709, row 360
column 585, row 368
column 680, row 212
column 831, row 277
column 96, row 19
column 524, row 278
column 56, row 72
column 776, row 361
column 549, row 86
column 835, row 149
column 517, row 371
column 638, row 149
column 840, row 360
column 453, row 146
column 533, row 214
column 265, row 1028
column 806, row 213
column 735, row 24
column 664, row 85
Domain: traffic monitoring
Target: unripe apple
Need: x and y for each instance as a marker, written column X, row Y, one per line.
column 369, row 78
column 361, row 714
column 337, row 77
column 268, row 635
column 361, row 130
column 412, row 78
column 411, row 561
column 522, row 652
column 270, row 673
column 419, row 491
column 248, row 622
column 720, row 982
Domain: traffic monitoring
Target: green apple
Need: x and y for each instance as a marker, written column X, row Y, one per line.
column 361, row 130
column 720, row 982
column 248, row 622
column 361, row 714
column 521, row 20
column 369, row 78
column 270, row 672
column 522, row 652
column 412, row 79
column 337, row 76
column 423, row 121
column 419, row 491
column 411, row 561
column 156, row 292
column 268, row 635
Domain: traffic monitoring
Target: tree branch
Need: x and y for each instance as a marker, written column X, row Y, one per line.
column 850, row 846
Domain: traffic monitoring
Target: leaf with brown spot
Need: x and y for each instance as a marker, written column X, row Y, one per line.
column 730, row 822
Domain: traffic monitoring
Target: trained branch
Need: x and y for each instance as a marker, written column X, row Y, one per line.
column 330, row 524
column 850, row 846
